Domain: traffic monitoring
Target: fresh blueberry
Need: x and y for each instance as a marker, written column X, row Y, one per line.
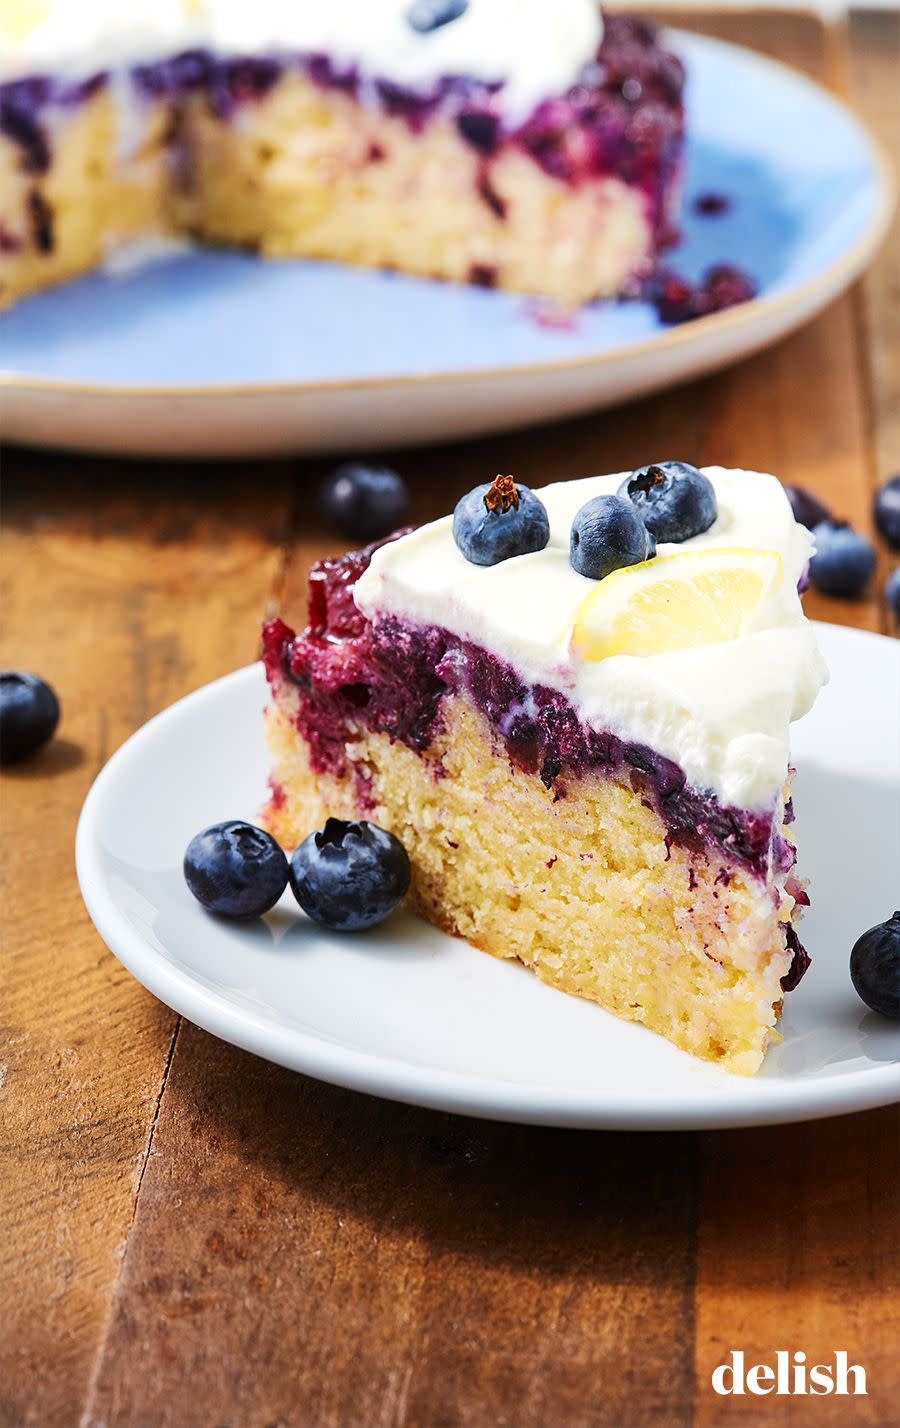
column 493, row 523
column 235, row 869
column 843, row 560
column 675, row 500
column 29, row 714
column 348, row 876
column 887, row 511
column 892, row 593
column 808, row 510
column 875, row 967
column 608, row 534
column 365, row 502
column 425, row 15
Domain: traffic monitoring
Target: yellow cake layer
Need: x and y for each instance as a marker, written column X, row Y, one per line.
column 309, row 172
column 91, row 201
column 297, row 175
column 582, row 889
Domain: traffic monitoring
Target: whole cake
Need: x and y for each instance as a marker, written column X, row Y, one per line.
column 500, row 142
column 586, row 761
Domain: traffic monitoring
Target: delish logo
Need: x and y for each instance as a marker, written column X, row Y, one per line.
column 789, row 1376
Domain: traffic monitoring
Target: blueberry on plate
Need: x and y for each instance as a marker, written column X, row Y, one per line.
column 886, row 511
column 348, row 876
column 607, row 534
column 495, row 522
column 875, row 967
column 235, row 870
column 808, row 509
column 365, row 502
column 674, row 499
column 843, row 561
column 892, row 593
column 29, row 714
column 427, row 15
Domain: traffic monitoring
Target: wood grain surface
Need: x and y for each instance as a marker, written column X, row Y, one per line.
column 190, row 1236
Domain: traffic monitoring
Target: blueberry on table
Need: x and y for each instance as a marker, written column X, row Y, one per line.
column 495, row 522
column 607, row 534
column 844, row 560
column 887, row 512
column 892, row 593
column 349, row 876
column 235, row 869
column 29, row 714
column 674, row 499
column 808, row 509
column 365, row 502
column 427, row 15
column 875, row 967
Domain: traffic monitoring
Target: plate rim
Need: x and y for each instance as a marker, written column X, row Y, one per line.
column 396, row 1079
column 833, row 279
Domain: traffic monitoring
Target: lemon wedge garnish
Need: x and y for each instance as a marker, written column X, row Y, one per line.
column 676, row 602
column 19, row 17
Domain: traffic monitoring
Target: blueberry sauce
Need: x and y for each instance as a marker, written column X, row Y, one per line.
column 677, row 300
column 22, row 104
column 712, row 205
column 800, row 962
column 391, row 678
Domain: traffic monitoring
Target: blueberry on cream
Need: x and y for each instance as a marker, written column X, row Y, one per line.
column 608, row 534
column 427, row 15
column 673, row 498
column 500, row 520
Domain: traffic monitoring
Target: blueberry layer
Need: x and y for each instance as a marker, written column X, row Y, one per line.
column 391, row 677
column 624, row 116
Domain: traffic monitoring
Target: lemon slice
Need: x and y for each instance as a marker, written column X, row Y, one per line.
column 676, row 602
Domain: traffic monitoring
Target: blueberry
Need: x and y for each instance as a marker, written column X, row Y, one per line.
column 675, row 500
column 808, row 509
column 493, row 523
column 425, row 15
column 347, row 876
column 365, row 502
column 608, row 534
column 235, row 869
column 887, row 512
column 892, row 593
column 875, row 967
column 843, row 561
column 29, row 714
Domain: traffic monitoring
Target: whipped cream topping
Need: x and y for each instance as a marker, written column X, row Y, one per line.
column 722, row 712
column 534, row 49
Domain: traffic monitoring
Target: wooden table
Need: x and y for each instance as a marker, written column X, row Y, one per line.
column 190, row 1236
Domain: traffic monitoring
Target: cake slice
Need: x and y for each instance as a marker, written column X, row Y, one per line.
column 589, row 775
column 505, row 143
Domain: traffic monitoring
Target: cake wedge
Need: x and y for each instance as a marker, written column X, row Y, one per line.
column 590, row 775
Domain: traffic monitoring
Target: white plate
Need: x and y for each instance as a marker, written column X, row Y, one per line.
column 410, row 1013
column 223, row 353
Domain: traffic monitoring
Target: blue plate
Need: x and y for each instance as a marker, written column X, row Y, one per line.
column 808, row 200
